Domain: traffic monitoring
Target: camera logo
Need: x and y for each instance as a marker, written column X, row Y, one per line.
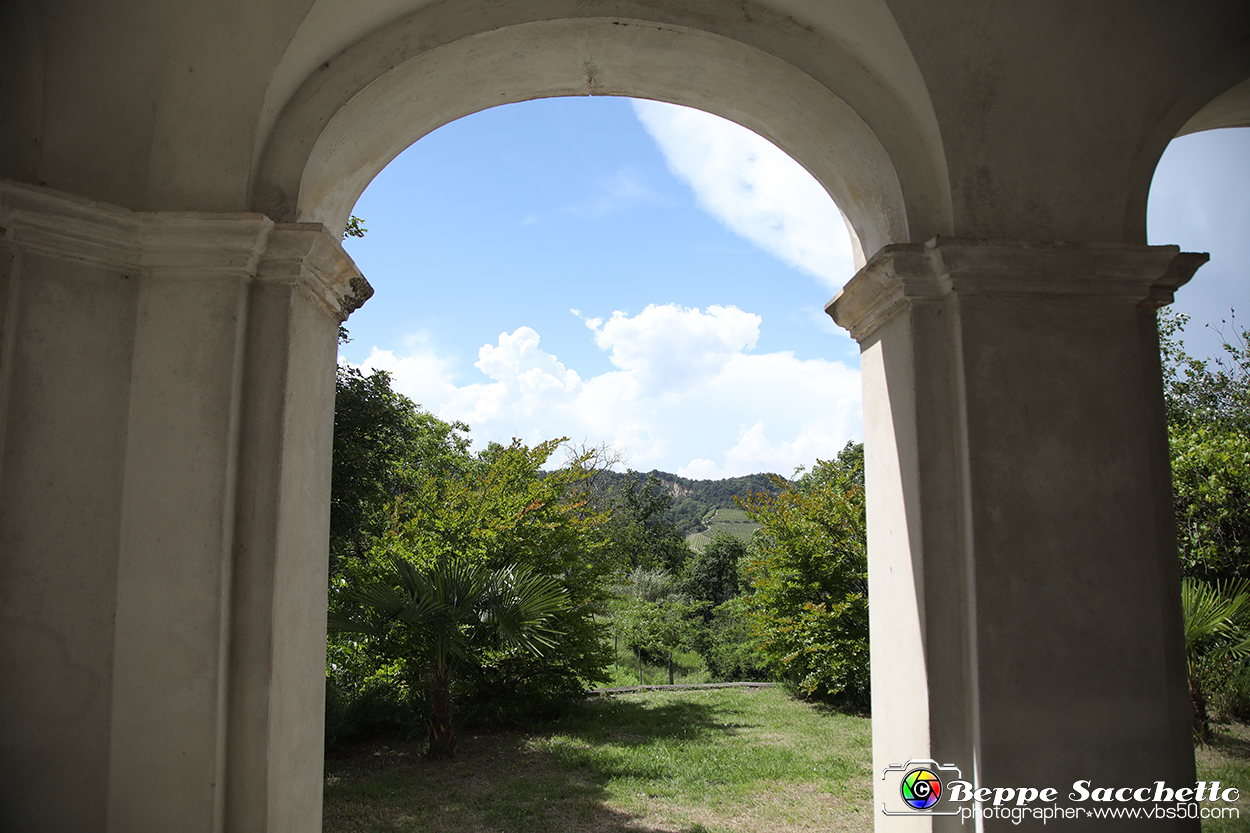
column 921, row 786
column 921, row 789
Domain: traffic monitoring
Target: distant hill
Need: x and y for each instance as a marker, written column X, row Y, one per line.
column 701, row 508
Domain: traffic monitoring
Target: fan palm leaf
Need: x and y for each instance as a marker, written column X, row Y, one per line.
column 1215, row 627
column 453, row 605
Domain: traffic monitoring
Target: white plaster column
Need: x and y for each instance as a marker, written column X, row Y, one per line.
column 304, row 288
column 1023, row 577
column 166, row 406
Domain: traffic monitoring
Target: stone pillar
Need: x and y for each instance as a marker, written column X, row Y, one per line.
column 1024, row 584
column 166, row 401
column 304, row 288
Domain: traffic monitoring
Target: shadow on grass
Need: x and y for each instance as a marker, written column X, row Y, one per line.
column 514, row 782
column 1230, row 742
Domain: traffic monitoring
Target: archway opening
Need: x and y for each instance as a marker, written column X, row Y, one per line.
column 689, row 318
column 1200, row 200
column 612, row 271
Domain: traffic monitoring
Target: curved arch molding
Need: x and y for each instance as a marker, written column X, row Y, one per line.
column 352, row 118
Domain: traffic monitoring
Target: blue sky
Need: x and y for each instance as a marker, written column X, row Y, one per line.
column 654, row 278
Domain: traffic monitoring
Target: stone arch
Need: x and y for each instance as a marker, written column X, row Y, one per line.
column 1219, row 98
column 338, row 132
column 1229, row 109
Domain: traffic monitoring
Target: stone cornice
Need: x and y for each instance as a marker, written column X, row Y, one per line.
column 182, row 245
column 899, row 275
column 169, row 244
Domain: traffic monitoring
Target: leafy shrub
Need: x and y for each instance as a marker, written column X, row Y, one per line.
column 732, row 651
column 809, row 580
column 383, row 705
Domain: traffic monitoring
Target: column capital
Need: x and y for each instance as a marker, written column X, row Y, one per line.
column 307, row 255
column 899, row 275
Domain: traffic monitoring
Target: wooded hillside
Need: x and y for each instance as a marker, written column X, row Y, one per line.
column 695, row 502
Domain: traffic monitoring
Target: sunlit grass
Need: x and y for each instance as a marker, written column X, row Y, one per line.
column 693, row 761
column 1227, row 760
column 690, row 761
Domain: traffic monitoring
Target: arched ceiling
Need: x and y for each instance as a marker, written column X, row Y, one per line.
column 362, row 105
column 978, row 118
column 1231, row 109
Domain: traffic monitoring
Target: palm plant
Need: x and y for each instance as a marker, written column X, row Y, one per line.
column 448, row 608
column 1215, row 629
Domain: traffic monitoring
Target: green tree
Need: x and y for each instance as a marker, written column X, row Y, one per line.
column 384, row 446
column 1200, row 391
column 638, row 531
column 1208, row 409
column 730, row 645
column 501, row 513
column 714, row 575
column 809, row 580
column 1208, row 413
column 654, row 617
column 726, row 639
column 446, row 611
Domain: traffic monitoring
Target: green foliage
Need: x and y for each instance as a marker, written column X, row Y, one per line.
column 384, row 447
column 499, row 514
column 1217, row 637
column 698, row 503
column 1215, row 619
column 1208, row 408
column 355, row 227
column 1208, row 412
column 652, row 616
column 405, row 485
column 1211, row 483
column 713, row 575
column 1225, row 682
column 691, row 503
column 442, row 613
column 377, row 701
column 639, row 534
column 451, row 607
column 808, row 573
column 731, row 648
column 1201, row 391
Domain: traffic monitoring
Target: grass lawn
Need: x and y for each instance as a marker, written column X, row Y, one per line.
column 689, row 761
column 1227, row 760
column 686, row 762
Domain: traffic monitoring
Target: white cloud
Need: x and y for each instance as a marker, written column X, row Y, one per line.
column 754, row 188
column 670, row 347
column 421, row 374
column 688, row 395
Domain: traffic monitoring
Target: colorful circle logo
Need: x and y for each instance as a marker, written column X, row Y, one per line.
column 921, row 789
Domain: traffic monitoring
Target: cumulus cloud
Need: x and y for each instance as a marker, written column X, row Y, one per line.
column 670, row 348
column 754, row 188
column 688, row 394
